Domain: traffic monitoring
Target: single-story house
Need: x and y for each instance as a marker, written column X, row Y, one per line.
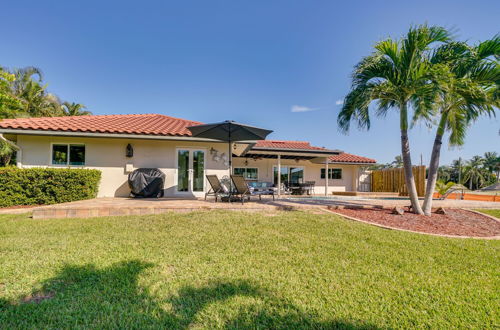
column 118, row 144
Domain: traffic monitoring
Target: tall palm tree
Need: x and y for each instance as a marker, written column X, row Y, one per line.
column 473, row 172
column 75, row 109
column 457, row 167
column 397, row 76
column 492, row 163
column 467, row 80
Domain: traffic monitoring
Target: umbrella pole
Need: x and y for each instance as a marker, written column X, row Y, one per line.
column 230, row 164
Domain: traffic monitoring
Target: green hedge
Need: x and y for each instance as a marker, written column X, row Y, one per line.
column 35, row 186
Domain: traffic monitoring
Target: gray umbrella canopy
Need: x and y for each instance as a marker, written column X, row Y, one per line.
column 229, row 131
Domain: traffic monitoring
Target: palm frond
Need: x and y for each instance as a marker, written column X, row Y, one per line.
column 355, row 108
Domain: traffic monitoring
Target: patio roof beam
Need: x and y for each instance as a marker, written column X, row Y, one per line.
column 326, row 177
column 300, row 153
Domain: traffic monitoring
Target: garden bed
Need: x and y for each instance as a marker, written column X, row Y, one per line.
column 456, row 222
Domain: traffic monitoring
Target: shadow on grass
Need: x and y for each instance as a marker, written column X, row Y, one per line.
column 84, row 296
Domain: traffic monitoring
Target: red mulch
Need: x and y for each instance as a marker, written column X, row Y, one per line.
column 455, row 222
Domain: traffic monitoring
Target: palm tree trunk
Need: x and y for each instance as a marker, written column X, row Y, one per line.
column 405, row 152
column 434, row 166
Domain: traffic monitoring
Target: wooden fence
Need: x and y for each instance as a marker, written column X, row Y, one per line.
column 393, row 180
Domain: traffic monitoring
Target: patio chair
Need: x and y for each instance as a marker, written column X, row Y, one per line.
column 216, row 187
column 243, row 190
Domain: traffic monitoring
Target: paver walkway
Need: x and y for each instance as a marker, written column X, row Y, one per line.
column 135, row 206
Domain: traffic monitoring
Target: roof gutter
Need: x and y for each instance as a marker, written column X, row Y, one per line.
column 287, row 150
column 105, row 135
column 305, row 153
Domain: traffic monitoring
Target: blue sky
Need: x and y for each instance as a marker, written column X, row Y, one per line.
column 250, row 61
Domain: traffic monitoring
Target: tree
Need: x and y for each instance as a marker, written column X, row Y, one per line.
column 396, row 75
column 74, row 109
column 443, row 187
column 7, row 148
column 466, row 79
column 37, row 102
column 9, row 104
column 473, row 173
column 398, row 162
column 492, row 163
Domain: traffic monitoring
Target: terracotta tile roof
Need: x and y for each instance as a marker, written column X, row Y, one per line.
column 278, row 144
column 150, row 124
column 147, row 124
column 349, row 158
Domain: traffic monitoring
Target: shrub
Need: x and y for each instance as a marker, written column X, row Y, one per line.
column 35, row 186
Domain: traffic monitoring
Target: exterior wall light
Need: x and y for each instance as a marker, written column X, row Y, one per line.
column 129, row 151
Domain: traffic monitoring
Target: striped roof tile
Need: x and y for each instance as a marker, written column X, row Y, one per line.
column 143, row 124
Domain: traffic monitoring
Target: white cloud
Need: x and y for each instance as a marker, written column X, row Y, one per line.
column 339, row 102
column 301, row 108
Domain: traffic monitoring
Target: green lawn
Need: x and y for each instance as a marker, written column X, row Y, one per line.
column 241, row 270
column 493, row 212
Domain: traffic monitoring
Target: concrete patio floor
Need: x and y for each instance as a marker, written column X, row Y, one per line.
column 132, row 206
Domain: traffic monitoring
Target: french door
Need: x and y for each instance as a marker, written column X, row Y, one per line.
column 190, row 176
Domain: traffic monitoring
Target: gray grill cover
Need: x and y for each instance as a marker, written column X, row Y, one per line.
column 146, row 182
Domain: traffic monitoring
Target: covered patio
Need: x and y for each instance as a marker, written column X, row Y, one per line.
column 298, row 165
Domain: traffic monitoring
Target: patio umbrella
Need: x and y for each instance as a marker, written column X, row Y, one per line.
column 229, row 131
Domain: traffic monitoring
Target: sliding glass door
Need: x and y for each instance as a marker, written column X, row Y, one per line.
column 289, row 174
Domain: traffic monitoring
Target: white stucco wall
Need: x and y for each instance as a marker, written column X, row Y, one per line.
column 108, row 156
column 312, row 172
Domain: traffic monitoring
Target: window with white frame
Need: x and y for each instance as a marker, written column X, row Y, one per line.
column 68, row 154
column 249, row 173
column 333, row 173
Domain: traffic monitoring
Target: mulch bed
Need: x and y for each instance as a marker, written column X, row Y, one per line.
column 455, row 222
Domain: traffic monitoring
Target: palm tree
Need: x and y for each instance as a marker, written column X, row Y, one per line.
column 24, row 77
column 473, row 172
column 442, row 187
column 74, row 109
column 398, row 162
column 445, row 173
column 492, row 163
column 397, row 76
column 36, row 101
column 466, row 78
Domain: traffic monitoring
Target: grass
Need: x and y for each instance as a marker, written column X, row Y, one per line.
column 225, row 269
column 492, row 212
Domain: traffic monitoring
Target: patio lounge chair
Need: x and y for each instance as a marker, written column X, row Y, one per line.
column 243, row 190
column 216, row 187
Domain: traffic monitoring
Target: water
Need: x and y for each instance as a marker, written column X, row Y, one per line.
column 347, row 198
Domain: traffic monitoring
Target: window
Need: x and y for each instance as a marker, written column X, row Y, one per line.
column 249, row 173
column 68, row 154
column 333, row 173
column 289, row 174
